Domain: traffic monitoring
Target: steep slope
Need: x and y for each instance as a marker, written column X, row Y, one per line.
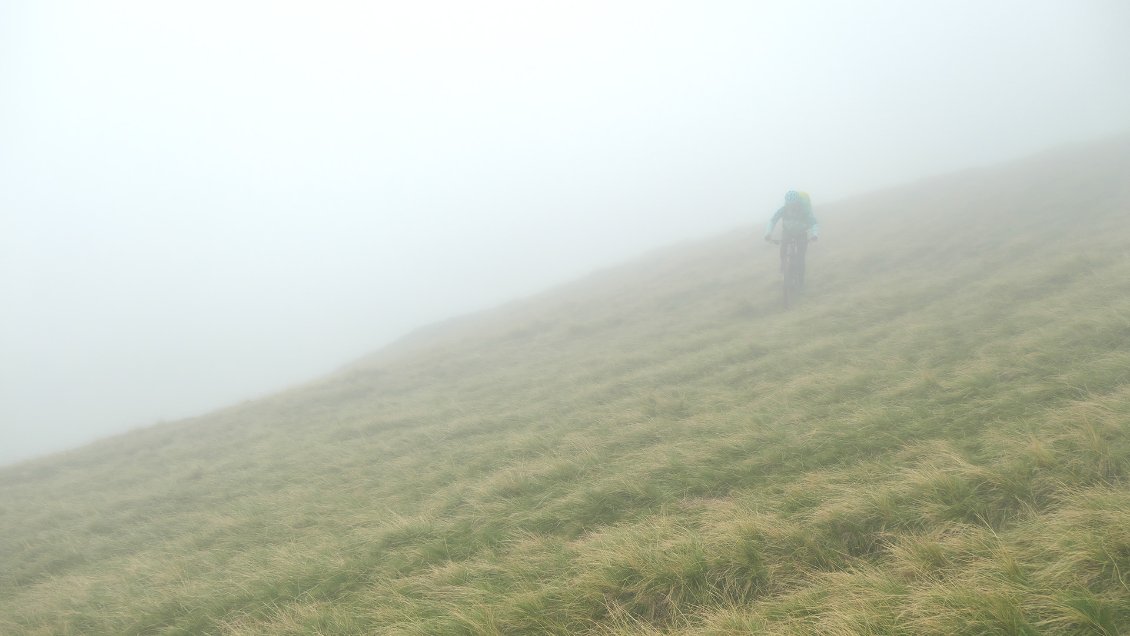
column 936, row 440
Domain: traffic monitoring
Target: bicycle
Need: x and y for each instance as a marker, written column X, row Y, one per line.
column 792, row 269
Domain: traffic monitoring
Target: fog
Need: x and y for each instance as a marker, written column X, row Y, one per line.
column 205, row 202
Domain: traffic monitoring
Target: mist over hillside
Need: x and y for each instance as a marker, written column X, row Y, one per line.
column 204, row 202
column 980, row 215
column 935, row 440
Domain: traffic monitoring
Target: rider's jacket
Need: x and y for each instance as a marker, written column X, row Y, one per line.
column 796, row 219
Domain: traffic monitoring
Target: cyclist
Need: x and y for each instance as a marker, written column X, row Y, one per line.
column 797, row 225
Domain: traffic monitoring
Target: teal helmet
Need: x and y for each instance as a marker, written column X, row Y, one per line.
column 796, row 196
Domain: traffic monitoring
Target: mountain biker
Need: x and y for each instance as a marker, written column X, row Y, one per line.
column 797, row 225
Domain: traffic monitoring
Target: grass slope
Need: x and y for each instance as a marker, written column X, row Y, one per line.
column 936, row 441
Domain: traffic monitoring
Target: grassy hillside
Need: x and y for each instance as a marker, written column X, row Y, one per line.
column 935, row 441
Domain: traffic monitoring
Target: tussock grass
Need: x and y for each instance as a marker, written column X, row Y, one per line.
column 936, row 440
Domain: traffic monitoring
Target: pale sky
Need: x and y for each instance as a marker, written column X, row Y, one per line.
column 204, row 202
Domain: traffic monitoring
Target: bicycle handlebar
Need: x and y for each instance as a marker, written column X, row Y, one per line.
column 778, row 241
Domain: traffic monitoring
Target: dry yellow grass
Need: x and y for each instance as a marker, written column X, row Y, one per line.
column 935, row 441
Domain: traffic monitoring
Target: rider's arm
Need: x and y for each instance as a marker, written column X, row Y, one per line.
column 814, row 229
column 773, row 223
